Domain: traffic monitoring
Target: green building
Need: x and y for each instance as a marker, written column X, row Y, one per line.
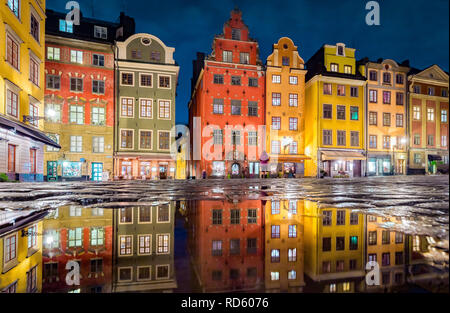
column 146, row 81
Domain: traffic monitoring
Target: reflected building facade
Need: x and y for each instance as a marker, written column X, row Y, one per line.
column 144, row 248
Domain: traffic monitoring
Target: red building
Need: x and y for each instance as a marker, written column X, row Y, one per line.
column 226, row 243
column 227, row 95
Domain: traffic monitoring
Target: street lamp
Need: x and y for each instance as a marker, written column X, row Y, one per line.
column 31, row 119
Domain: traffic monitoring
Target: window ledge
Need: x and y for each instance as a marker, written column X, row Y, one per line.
column 11, row 264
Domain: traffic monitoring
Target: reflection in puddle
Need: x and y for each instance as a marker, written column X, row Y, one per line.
column 263, row 242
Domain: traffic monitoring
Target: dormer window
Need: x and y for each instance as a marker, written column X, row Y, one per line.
column 100, row 32
column 334, row 67
column 340, row 50
column 235, row 34
column 285, row 61
column 65, row 26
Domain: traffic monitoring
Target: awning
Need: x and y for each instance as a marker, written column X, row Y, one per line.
column 342, row 155
column 27, row 131
column 434, row 157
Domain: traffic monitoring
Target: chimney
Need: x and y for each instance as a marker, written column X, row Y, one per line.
column 127, row 27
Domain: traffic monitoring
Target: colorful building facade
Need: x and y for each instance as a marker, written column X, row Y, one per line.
column 79, row 98
column 146, row 82
column 22, row 38
column 428, row 120
column 285, row 109
column 385, row 115
column 334, row 114
column 226, row 109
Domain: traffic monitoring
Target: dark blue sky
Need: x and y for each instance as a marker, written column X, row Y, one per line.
column 410, row 29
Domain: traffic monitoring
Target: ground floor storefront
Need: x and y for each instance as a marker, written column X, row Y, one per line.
column 341, row 163
column 381, row 164
column 78, row 169
column 428, row 161
column 142, row 167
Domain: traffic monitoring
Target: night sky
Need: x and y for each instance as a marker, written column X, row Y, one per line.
column 417, row 30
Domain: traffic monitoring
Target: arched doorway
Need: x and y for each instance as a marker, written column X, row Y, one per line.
column 235, row 169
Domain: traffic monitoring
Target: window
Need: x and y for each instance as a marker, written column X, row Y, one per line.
column 252, row 138
column 98, row 59
column 399, row 120
column 235, row 80
column 100, row 32
column 354, row 218
column 327, row 89
column 444, row 141
column 144, row 242
column 293, row 99
column 274, row 276
column 430, row 114
column 227, row 56
column 430, row 91
column 126, row 139
column 126, row 245
column 10, row 248
column 53, row 53
column 372, row 257
column 50, row 272
column 386, row 119
column 399, row 98
column 252, row 82
column 398, row 237
column 430, row 140
column 252, row 108
column 14, row 6
column 75, row 237
column 235, row 107
column 164, row 140
column 98, row 87
column 327, row 137
column 76, row 84
column 164, row 109
column 162, row 241
column 354, row 113
column 326, row 219
column 293, row 147
column 252, row 216
column 235, row 216
column 444, row 116
column 293, row 123
column 12, row 51
column 127, row 79
column 275, row 231
column 275, row 207
column 285, row 61
column 341, row 137
column 332, row 288
column 334, row 67
column 31, row 280
column 98, row 144
column 235, row 34
column 293, row 80
column 217, row 275
column 34, row 71
column 353, row 242
column 276, row 147
column 340, row 217
column 444, row 93
column 386, row 142
column 385, row 237
column 66, row 26
column 235, row 137
column 244, row 58
column 53, row 82
column 218, row 79
column 354, row 91
column 251, row 246
column 146, row 108
column 386, row 259
column 218, row 136
column 416, row 113
column 292, row 255
column 145, row 139
column 340, row 90
column 340, row 112
column 76, row 114
column 373, row 141
column 136, row 54
column 347, row 69
column 340, row 243
column 386, row 78
column 127, row 107
column 76, row 144
column 55, row 138
column 276, row 79
column 373, row 95
column 326, row 244
column 34, row 113
column 328, row 111
column 417, row 89
column 235, row 246
column 275, row 256
column 340, row 265
column 276, row 122
column 97, row 236
column 398, row 258
column 372, row 238
column 373, row 116
column 386, row 97
column 76, row 56
column 399, row 79
column 340, row 50
column 417, row 158
column 373, row 76
column 416, row 139
column 216, row 248
column 292, row 207
column 164, row 81
column 276, row 98
column 326, row 267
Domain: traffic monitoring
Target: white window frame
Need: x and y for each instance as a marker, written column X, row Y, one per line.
column 293, row 80
column 168, row 271
column 170, row 109
column 163, row 131
column 120, row 108
column 125, row 267
column 78, row 142
column 157, row 216
column 276, row 79
column 132, row 242
column 103, row 31
column 120, row 139
column 76, row 54
column 170, row 81
column 152, row 139
column 168, row 241
column 139, row 243
column 94, row 144
column 126, row 85
column 147, row 74
column 149, row 271
column 140, row 108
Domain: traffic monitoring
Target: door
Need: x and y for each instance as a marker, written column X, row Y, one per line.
column 11, row 158
column 163, row 171
column 357, row 168
column 33, row 161
column 52, row 170
column 97, row 170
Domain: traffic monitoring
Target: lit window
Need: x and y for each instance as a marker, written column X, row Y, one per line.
column 65, row 26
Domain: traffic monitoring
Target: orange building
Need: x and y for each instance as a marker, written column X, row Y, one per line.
column 227, row 94
column 226, row 241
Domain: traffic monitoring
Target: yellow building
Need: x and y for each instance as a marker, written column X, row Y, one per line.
column 285, row 108
column 334, row 114
column 21, row 252
column 284, row 246
column 386, row 134
column 334, row 248
column 22, row 29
